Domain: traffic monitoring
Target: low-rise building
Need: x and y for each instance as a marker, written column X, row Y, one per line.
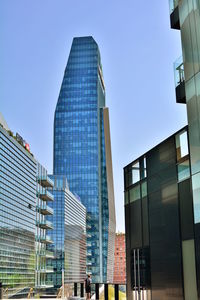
column 120, row 259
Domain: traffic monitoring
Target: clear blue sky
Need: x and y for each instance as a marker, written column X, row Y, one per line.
column 138, row 49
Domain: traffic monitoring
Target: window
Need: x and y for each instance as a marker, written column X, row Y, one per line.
column 196, row 197
column 126, row 197
column 135, row 172
column 135, row 193
column 183, row 170
column 181, row 145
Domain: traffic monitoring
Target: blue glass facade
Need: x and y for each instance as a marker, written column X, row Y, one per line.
column 17, row 216
column 79, row 146
column 69, row 235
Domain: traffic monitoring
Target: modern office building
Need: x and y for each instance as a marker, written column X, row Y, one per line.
column 69, row 235
column 160, row 232
column 162, row 188
column 43, row 256
column 82, row 151
column 17, row 214
column 23, row 224
column 120, row 259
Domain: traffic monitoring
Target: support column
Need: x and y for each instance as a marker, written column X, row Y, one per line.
column 106, row 291
column 82, row 290
column 97, row 291
column 75, row 289
column 116, row 292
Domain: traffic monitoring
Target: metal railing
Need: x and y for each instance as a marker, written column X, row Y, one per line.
column 172, row 5
column 106, row 291
column 179, row 75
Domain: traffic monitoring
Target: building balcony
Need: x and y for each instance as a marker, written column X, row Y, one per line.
column 47, row 269
column 45, row 195
column 49, row 254
column 46, row 253
column 47, row 284
column 179, row 78
column 174, row 14
column 88, row 244
column 45, row 181
column 45, row 224
column 45, row 209
column 44, row 239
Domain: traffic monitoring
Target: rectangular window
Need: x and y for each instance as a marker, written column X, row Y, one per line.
column 196, row 197
column 126, row 198
column 181, row 145
column 183, row 170
column 135, row 172
column 144, row 189
column 189, row 270
column 143, row 168
column 135, row 193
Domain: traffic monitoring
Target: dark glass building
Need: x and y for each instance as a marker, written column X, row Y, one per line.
column 68, row 235
column 82, row 151
column 162, row 188
column 159, row 213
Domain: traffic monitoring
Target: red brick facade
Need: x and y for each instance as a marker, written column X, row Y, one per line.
column 120, row 259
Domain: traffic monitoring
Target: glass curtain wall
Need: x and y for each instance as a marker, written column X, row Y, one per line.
column 78, row 150
column 17, row 217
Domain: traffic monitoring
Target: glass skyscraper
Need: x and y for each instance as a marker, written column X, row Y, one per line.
column 82, row 151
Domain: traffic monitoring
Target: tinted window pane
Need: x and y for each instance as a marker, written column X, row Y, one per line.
column 196, row 197
column 135, row 193
column 144, row 189
column 135, row 172
column 126, row 197
column 181, row 145
column 183, row 170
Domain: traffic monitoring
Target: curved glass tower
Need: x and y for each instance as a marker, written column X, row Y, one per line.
column 82, row 151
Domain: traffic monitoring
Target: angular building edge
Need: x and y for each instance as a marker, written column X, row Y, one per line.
column 111, row 197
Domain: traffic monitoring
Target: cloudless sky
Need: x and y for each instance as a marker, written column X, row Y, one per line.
column 137, row 48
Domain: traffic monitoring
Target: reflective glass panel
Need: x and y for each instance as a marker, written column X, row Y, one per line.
column 126, row 198
column 135, row 193
column 144, row 189
column 183, row 170
column 135, row 172
column 196, row 197
column 181, row 145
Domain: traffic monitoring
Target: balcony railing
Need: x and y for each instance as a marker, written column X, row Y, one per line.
column 45, row 224
column 106, row 291
column 44, row 239
column 45, row 209
column 47, row 269
column 179, row 77
column 45, row 181
column 172, row 5
column 45, row 253
column 174, row 14
column 49, row 254
column 45, row 195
